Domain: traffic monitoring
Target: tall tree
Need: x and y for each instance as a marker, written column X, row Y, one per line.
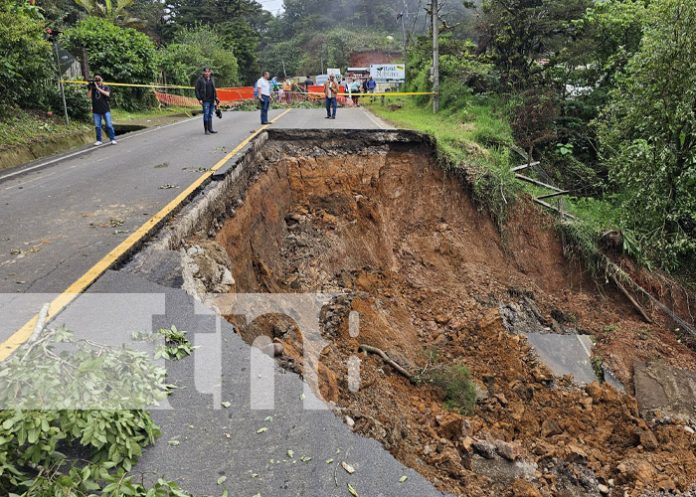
column 521, row 35
column 113, row 10
column 240, row 22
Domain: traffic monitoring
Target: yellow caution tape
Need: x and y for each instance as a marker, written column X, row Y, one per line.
column 388, row 94
column 131, row 85
column 380, row 94
column 179, row 87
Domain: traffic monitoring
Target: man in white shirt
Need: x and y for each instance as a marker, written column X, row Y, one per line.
column 263, row 90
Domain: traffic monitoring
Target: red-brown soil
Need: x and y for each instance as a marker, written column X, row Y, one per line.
column 427, row 272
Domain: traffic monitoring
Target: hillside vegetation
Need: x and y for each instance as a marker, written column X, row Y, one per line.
column 601, row 93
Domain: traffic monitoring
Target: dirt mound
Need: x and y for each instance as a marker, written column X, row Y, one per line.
column 400, row 240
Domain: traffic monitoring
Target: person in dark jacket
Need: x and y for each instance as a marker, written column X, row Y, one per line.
column 99, row 93
column 206, row 95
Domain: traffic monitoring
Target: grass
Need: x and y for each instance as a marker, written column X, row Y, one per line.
column 456, row 385
column 477, row 137
column 124, row 116
column 25, row 128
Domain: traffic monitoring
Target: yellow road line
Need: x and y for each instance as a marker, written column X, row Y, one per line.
column 85, row 281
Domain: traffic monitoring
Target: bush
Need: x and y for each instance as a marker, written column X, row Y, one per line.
column 26, row 57
column 461, row 72
column 119, row 54
column 75, row 98
column 457, row 387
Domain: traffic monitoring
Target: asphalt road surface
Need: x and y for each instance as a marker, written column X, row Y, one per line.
column 276, row 447
column 58, row 220
column 61, row 216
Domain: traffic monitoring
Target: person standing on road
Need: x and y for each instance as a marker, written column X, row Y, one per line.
column 308, row 82
column 263, row 90
column 330, row 92
column 355, row 92
column 100, row 94
column 207, row 95
column 287, row 90
column 371, row 85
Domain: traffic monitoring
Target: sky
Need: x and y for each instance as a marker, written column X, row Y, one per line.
column 273, row 6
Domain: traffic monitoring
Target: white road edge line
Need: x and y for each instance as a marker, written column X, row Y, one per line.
column 84, row 151
column 372, row 118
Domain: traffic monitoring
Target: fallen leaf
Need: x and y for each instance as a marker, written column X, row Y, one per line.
column 262, row 430
column 173, row 442
column 225, row 404
column 268, row 418
column 403, row 479
column 349, row 469
column 329, row 460
column 352, row 490
column 291, row 453
column 221, row 480
column 305, row 458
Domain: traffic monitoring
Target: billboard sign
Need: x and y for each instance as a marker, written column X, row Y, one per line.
column 388, row 73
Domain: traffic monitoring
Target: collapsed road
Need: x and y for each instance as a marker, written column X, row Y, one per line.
column 377, row 223
column 408, row 265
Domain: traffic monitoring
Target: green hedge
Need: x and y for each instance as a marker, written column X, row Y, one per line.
column 118, row 54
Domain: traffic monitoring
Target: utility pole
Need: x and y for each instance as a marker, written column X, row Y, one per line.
column 436, row 57
column 402, row 15
column 60, row 82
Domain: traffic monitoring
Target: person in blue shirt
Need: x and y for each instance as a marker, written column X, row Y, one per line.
column 371, row 85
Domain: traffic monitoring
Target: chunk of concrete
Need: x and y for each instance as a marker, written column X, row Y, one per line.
column 162, row 267
column 565, row 355
column 665, row 390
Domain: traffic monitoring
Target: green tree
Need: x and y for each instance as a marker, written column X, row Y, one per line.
column 194, row 49
column 114, row 10
column 119, row 54
column 648, row 135
column 241, row 23
column 153, row 19
column 585, row 69
column 60, row 14
column 25, row 56
column 522, row 35
column 461, row 71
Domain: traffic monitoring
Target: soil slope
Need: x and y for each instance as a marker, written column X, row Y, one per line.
column 428, row 273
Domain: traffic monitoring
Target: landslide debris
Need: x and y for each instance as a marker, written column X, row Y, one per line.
column 435, row 285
